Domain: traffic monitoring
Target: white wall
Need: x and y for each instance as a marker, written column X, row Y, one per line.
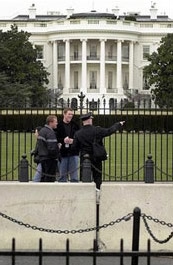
column 47, row 205
column 62, row 206
column 117, row 200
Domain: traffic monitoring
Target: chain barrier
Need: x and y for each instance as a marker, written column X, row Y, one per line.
column 9, row 172
column 41, row 229
column 145, row 217
column 107, row 175
column 115, row 177
column 57, row 175
column 81, row 230
column 131, row 174
column 166, row 174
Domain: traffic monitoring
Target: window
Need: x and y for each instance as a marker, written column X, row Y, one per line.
column 93, row 51
column 93, row 21
column 110, row 77
column 146, row 51
column 60, row 85
column 61, row 52
column 125, row 51
column 125, row 82
column 75, row 52
column 112, row 103
column 75, row 22
column 41, row 25
column 93, row 105
column 146, row 25
column 145, row 84
column 110, row 52
column 74, row 103
column 76, row 80
column 40, row 53
column 93, row 80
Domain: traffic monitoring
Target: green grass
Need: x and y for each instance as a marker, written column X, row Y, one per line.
column 13, row 146
column 127, row 155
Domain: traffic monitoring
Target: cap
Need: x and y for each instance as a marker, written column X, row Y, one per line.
column 86, row 116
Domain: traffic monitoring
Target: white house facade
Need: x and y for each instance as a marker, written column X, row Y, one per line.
column 101, row 55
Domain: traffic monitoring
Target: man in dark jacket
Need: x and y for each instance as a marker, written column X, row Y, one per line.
column 48, row 149
column 83, row 141
column 69, row 158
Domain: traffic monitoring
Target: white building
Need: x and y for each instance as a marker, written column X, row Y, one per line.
column 101, row 55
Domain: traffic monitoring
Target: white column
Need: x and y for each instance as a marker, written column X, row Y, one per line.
column 119, row 67
column 102, row 67
column 84, row 67
column 55, row 67
column 131, row 65
column 67, row 67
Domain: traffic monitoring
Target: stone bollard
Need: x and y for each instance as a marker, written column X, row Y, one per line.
column 23, row 169
column 149, row 170
column 86, row 169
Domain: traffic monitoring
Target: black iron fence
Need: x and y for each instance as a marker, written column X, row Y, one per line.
column 147, row 131
column 95, row 255
column 92, row 257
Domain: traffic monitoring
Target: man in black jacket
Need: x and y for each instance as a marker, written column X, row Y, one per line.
column 83, row 141
column 69, row 158
column 48, row 150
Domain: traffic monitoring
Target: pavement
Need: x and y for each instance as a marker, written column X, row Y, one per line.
column 84, row 261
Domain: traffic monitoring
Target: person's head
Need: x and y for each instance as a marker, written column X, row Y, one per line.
column 52, row 121
column 37, row 129
column 68, row 115
column 87, row 119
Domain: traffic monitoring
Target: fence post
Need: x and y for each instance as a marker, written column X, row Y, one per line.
column 23, row 169
column 136, row 231
column 149, row 170
column 86, row 169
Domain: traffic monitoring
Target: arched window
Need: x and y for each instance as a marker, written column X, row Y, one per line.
column 74, row 103
column 113, row 103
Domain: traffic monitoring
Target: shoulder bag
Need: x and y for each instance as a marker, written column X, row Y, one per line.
column 99, row 151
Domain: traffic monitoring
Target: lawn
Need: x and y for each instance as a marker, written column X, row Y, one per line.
column 127, row 153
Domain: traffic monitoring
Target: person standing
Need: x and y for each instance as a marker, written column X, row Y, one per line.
column 48, row 150
column 38, row 173
column 83, row 141
column 69, row 158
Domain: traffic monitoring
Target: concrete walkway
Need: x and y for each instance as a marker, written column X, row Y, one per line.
column 83, row 261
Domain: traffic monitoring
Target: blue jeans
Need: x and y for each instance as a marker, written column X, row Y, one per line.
column 38, row 173
column 68, row 167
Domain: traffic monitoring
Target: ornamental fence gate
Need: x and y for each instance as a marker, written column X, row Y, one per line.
column 148, row 131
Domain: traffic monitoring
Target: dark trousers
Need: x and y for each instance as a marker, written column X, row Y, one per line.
column 49, row 169
column 91, row 170
column 96, row 168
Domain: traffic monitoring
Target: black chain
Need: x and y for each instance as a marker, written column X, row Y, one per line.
column 124, row 218
column 144, row 217
column 166, row 174
column 118, row 177
column 53, row 176
column 41, row 229
column 9, row 172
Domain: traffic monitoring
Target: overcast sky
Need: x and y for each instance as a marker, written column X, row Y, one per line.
column 12, row 8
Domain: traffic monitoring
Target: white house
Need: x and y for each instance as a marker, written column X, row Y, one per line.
column 101, row 55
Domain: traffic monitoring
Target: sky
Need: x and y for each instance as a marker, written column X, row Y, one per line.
column 12, row 8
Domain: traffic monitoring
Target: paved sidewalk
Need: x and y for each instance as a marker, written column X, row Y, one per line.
column 83, row 261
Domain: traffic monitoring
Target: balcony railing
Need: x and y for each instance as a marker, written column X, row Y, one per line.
column 93, row 58
column 76, row 58
column 111, row 58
